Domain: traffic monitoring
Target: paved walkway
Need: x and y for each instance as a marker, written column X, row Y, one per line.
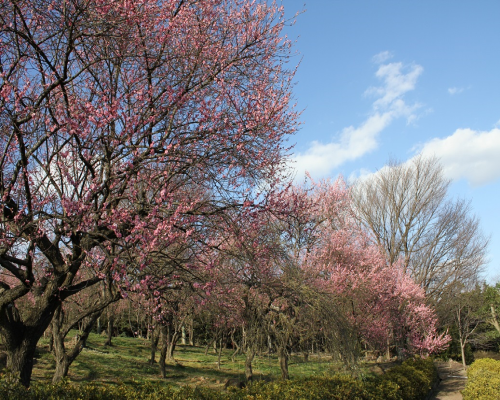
column 453, row 379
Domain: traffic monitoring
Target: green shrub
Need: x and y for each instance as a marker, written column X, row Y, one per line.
column 412, row 382
column 384, row 389
column 318, row 388
column 425, row 365
column 483, row 380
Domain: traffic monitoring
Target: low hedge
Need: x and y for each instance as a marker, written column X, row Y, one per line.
column 414, row 377
column 483, row 381
column 410, row 381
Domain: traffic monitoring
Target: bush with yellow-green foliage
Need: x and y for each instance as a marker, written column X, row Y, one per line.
column 411, row 380
column 414, row 377
column 483, row 381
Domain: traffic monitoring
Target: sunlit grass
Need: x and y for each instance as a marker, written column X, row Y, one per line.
column 127, row 362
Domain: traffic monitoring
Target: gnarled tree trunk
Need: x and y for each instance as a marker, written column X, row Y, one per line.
column 155, row 337
column 248, row 363
column 170, row 335
column 63, row 358
column 21, row 337
column 283, row 360
column 85, row 319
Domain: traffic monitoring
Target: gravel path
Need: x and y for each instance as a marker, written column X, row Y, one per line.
column 453, row 379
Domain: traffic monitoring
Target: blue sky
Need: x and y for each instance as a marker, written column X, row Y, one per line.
column 382, row 80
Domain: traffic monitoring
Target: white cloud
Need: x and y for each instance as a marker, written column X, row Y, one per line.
column 455, row 90
column 354, row 142
column 468, row 154
column 360, row 174
column 321, row 158
column 382, row 57
column 396, row 83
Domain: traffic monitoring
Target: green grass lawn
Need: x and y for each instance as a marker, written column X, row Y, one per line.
column 127, row 362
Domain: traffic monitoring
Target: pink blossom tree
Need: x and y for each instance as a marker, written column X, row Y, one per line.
column 110, row 113
column 383, row 302
column 257, row 277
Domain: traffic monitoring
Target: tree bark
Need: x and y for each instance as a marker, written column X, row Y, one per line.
column 111, row 327
column 235, row 346
column 248, row 363
column 154, row 345
column 494, row 319
column 171, row 346
column 173, row 335
column 63, row 358
column 208, row 346
column 163, row 367
column 283, row 360
column 462, row 350
column 20, row 358
column 51, row 342
column 169, row 337
column 21, row 337
column 388, row 350
column 219, row 354
column 163, row 353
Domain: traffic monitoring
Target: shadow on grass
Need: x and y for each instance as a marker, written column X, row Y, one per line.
column 126, row 361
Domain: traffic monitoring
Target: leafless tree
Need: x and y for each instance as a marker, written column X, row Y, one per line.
column 466, row 312
column 406, row 207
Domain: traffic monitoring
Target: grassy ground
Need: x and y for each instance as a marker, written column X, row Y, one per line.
column 127, row 362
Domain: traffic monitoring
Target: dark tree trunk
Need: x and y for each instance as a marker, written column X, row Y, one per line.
column 169, row 338
column 111, row 327
column 154, row 345
column 20, row 358
column 219, row 355
column 85, row 319
column 173, row 334
column 163, row 367
column 63, row 358
column 62, row 364
column 248, row 363
column 208, row 346
column 51, row 342
column 171, row 346
column 235, row 346
column 21, row 337
column 283, row 360
column 163, row 353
